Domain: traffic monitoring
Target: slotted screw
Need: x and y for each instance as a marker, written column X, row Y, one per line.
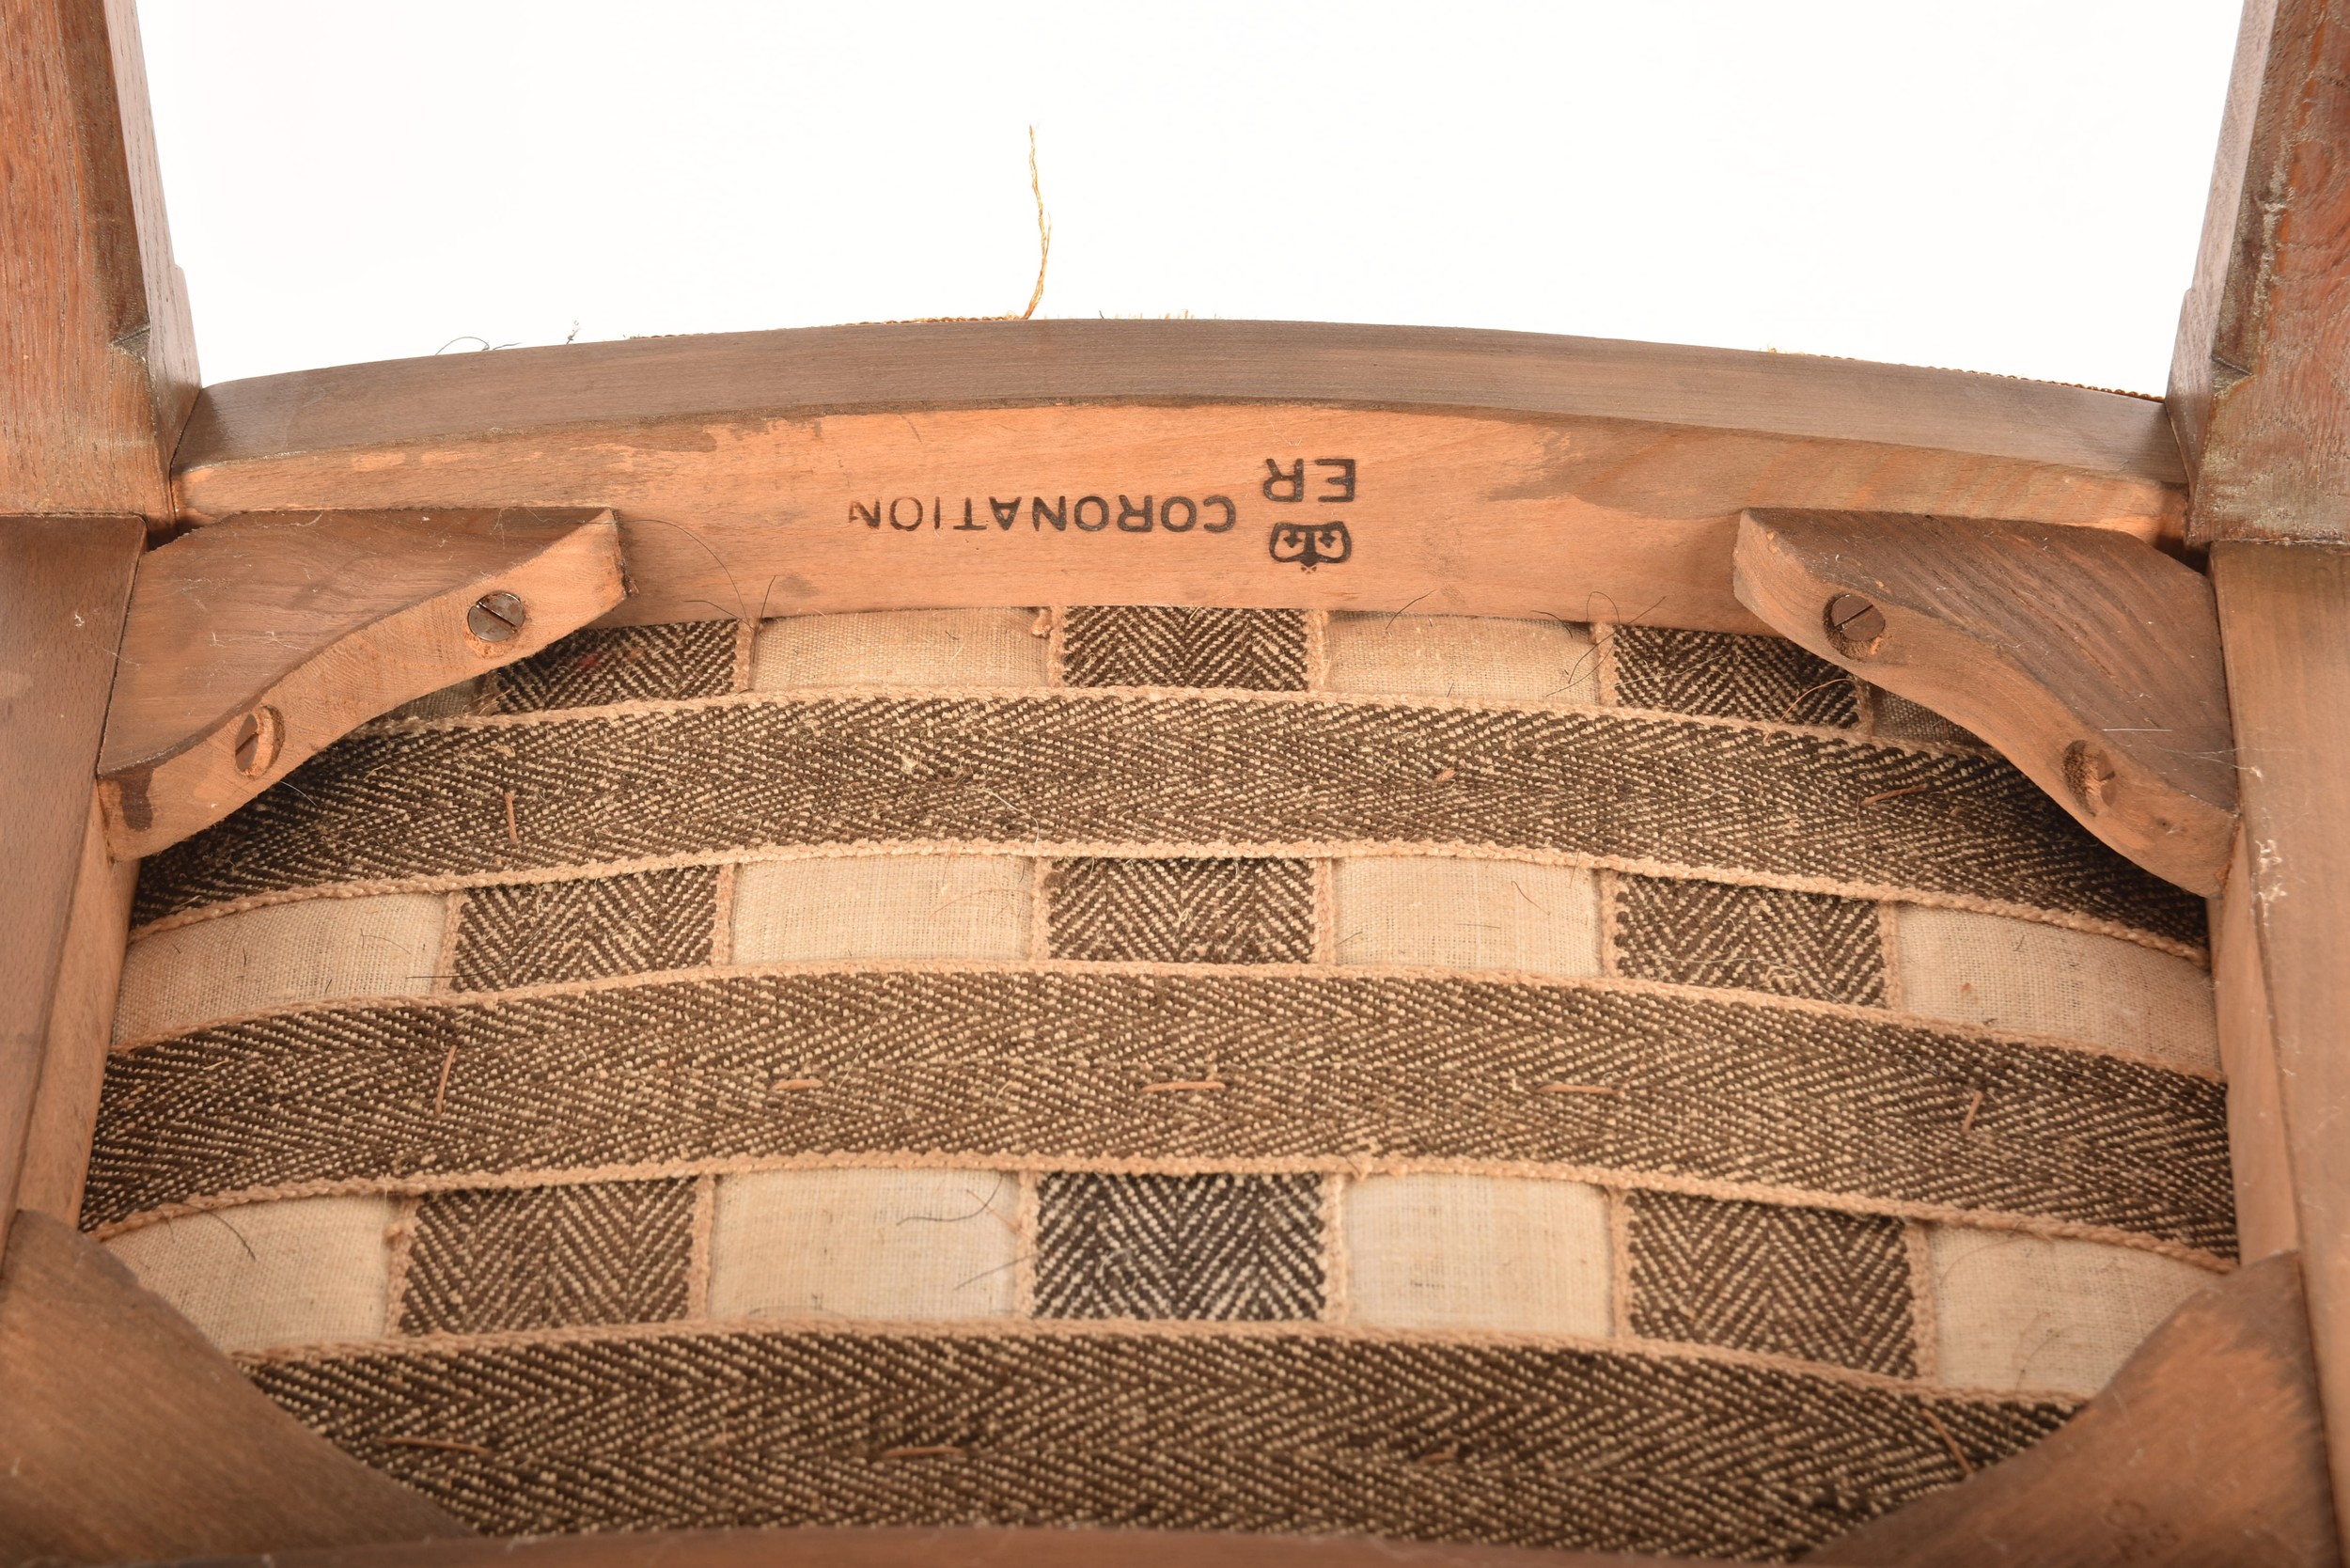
column 2089, row 773
column 1854, row 625
column 260, row 735
column 496, row 617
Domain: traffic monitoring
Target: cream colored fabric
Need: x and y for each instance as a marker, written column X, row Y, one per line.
column 319, row 949
column 900, row 648
column 883, row 906
column 864, row 1243
column 1475, row 658
column 2017, row 1312
column 292, row 1272
column 2043, row 980
column 1479, row 1252
column 1460, row 913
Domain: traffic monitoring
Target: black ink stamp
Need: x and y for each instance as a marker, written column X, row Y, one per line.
column 1092, row 514
column 1311, row 545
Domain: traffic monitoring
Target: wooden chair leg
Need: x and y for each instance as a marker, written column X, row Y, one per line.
column 124, row 1435
column 2207, row 1447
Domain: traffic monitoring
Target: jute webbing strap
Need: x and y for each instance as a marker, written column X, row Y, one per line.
column 603, row 1252
column 1814, row 1284
column 491, row 799
column 1182, row 911
column 617, row 664
column 1308, row 1066
column 1203, row 1247
column 1765, row 679
column 1159, row 645
column 1498, row 1443
column 1737, row 939
column 542, row 932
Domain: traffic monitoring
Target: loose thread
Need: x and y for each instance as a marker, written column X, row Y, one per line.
column 1964, row 1466
column 1043, row 229
column 1786, row 714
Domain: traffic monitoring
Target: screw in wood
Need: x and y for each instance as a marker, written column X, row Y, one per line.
column 260, row 735
column 1854, row 625
column 496, row 616
column 2089, row 774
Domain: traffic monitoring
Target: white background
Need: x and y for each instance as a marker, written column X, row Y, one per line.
column 2000, row 186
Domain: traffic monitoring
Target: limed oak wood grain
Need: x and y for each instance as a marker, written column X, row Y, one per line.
column 899, row 466
column 2284, row 610
column 2206, row 1450
column 2092, row 660
column 125, row 1436
column 2256, row 384
column 101, row 360
column 64, row 583
column 253, row 645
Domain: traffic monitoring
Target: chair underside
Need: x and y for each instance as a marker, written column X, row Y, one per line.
column 1168, row 938
column 885, row 1068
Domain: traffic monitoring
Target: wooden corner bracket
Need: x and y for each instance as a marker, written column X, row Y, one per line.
column 253, row 644
column 2207, row 1447
column 2089, row 659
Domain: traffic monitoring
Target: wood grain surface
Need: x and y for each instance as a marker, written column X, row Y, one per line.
column 886, row 368
column 125, row 1436
column 2256, row 380
column 2207, row 1450
column 2195, row 376
column 901, row 466
column 2262, row 1164
column 2284, row 611
column 81, row 1029
column 93, row 318
column 2092, row 660
column 64, row 583
column 316, row 623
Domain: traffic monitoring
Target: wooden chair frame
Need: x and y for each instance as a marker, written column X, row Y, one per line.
column 2146, row 605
